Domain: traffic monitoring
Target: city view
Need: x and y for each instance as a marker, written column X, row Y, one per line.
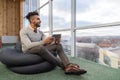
column 88, row 46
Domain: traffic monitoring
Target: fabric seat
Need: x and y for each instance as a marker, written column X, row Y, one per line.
column 24, row 63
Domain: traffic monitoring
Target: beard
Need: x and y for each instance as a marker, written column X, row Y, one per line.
column 37, row 25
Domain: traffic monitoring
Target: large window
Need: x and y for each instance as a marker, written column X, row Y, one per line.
column 97, row 24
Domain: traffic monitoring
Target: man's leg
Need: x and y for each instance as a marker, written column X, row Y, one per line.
column 58, row 48
column 45, row 54
column 62, row 55
column 70, row 68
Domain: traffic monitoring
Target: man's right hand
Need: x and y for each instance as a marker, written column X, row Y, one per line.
column 48, row 40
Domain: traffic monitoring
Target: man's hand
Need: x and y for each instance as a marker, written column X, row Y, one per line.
column 57, row 40
column 48, row 40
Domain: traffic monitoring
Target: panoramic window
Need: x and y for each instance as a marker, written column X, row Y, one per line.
column 97, row 26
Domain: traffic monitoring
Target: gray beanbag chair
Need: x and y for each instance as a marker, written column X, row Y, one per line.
column 24, row 63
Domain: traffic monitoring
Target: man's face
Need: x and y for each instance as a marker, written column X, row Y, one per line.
column 36, row 20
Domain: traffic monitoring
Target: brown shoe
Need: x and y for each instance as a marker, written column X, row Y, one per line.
column 74, row 69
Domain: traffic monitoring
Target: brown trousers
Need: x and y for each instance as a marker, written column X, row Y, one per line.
column 46, row 53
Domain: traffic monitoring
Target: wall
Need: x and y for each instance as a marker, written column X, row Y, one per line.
column 10, row 23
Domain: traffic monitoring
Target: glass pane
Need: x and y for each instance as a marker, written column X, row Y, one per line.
column 92, row 43
column 42, row 2
column 26, row 22
column 34, row 5
column 106, row 31
column 61, row 14
column 44, row 12
column 26, row 7
column 91, row 12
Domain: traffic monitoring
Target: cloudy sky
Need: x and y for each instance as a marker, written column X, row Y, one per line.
column 88, row 12
column 100, row 11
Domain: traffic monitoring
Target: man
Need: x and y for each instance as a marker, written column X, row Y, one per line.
column 34, row 42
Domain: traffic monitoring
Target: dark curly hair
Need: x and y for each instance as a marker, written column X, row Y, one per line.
column 30, row 14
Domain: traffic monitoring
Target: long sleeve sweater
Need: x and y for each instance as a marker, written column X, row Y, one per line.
column 31, row 39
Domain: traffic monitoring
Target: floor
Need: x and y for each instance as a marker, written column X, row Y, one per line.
column 95, row 72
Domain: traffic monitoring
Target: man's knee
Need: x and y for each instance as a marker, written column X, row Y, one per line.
column 38, row 48
column 41, row 47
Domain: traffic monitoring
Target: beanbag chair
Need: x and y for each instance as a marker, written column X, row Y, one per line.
column 24, row 63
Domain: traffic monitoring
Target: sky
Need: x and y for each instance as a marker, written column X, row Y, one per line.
column 88, row 12
column 101, row 11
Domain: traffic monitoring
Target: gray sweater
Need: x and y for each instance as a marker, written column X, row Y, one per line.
column 30, row 39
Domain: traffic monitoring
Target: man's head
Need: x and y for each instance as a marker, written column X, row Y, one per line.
column 33, row 18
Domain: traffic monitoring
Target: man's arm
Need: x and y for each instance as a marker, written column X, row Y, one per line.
column 27, row 42
column 43, row 36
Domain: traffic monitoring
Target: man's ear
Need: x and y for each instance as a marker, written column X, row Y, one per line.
column 31, row 19
column 33, row 22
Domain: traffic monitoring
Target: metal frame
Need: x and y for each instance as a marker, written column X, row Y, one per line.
column 42, row 5
column 39, row 7
column 99, row 26
column 73, row 31
column 89, row 27
column 50, row 17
